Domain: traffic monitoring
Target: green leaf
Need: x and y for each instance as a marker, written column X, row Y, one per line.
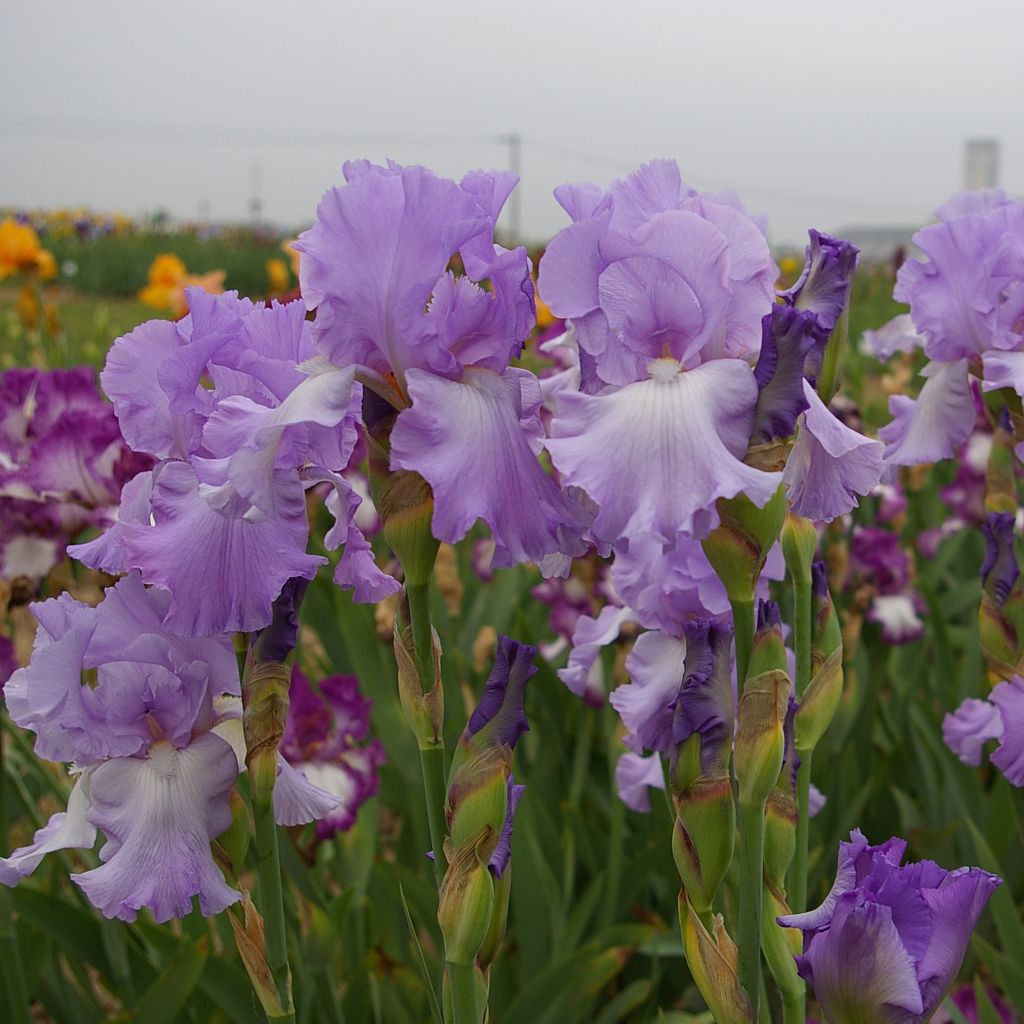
column 73, row 929
column 1004, row 910
column 421, row 961
column 168, row 996
column 629, row 999
column 987, row 1013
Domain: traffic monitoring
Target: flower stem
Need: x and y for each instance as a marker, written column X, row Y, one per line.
column 466, row 1009
column 793, row 1008
column 272, row 904
column 798, row 884
column 751, row 864
column 743, row 624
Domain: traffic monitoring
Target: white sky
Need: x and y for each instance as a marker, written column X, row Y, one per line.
column 820, row 114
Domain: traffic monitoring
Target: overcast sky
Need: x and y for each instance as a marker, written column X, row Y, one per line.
column 818, row 113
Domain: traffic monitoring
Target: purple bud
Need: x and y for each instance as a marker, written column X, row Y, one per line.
column 769, row 615
column 999, row 571
column 819, row 579
column 276, row 641
column 500, row 716
column 787, row 337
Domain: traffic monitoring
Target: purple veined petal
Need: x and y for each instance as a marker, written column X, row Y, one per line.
column 653, row 188
column 107, row 551
column 222, row 569
column 646, row 705
column 966, row 730
column 656, row 455
column 487, row 428
column 356, row 569
column 830, row 464
column 583, row 199
column 634, row 776
column 860, row 969
column 582, row 674
column 571, row 268
column 491, row 190
column 372, row 259
column 499, row 717
column 965, row 204
column 956, row 906
column 1003, row 370
column 898, row 616
column 1009, row 756
column 298, row 801
column 159, row 814
column 929, row 428
column 503, row 850
column 824, row 286
column 143, row 408
column 66, row 830
column 898, row 335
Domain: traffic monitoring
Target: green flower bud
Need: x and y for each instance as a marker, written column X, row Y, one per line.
column 235, row 841
column 760, row 739
column 768, row 650
column 820, row 702
column 713, row 961
column 423, row 706
column 780, row 819
column 466, row 901
column 478, row 796
column 703, row 838
column 499, row 919
column 799, row 542
column 739, row 545
column 264, row 714
column 780, row 945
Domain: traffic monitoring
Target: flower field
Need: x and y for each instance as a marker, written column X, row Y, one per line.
column 401, row 624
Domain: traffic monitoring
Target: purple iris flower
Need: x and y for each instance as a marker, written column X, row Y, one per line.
column 889, row 938
column 1001, row 718
column 966, row 301
column 156, row 744
column 999, row 571
column 220, row 522
column 324, row 740
column 437, row 347
column 635, row 774
column 666, row 290
column 63, row 463
column 898, row 335
column 881, row 567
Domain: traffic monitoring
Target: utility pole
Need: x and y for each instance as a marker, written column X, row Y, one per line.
column 514, row 141
column 256, row 188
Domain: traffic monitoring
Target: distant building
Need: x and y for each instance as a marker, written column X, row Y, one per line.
column 981, row 164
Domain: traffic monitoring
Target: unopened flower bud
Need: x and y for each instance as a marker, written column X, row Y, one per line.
column 713, row 961
column 466, row 902
column 422, row 700
column 799, row 542
column 703, row 838
column 768, row 651
column 478, row 795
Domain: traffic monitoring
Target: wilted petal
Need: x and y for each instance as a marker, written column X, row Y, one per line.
column 159, row 814
column 634, row 775
column 830, row 464
column 657, row 454
column 929, row 428
column 486, row 428
column 966, row 730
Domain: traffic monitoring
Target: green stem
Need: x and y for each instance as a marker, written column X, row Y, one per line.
column 434, row 790
column 798, row 872
column 432, row 759
column 465, row 1007
column 743, row 623
column 793, row 1008
column 751, row 867
column 802, row 623
column 14, row 987
column 268, row 863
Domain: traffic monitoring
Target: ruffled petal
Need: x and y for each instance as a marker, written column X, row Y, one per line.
column 107, row 552
column 485, row 428
column 1009, row 757
column 70, row 830
column 1003, row 370
column 656, row 455
column 159, row 814
column 966, row 730
column 929, row 428
column 898, row 335
column 297, row 801
column 646, row 704
column 582, row 674
column 830, row 464
column 634, row 775
column 223, row 569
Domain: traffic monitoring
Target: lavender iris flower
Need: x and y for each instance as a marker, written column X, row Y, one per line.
column 220, row 523
column 437, row 347
column 323, row 740
column 889, row 939
column 666, row 290
column 63, row 463
column 966, row 301
column 1001, row 718
column 155, row 743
